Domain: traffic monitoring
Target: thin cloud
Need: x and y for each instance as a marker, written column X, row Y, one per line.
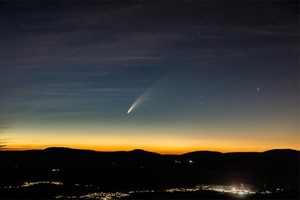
column 4, row 125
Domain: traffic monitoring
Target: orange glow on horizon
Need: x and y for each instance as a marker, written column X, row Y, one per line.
column 168, row 142
column 150, row 149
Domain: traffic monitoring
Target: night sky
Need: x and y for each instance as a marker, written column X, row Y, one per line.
column 220, row 76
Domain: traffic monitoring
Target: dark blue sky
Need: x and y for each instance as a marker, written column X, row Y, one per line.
column 218, row 75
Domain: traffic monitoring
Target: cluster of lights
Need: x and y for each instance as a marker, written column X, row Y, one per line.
column 217, row 188
column 227, row 189
column 171, row 190
column 11, row 187
column 28, row 184
column 111, row 195
column 142, row 191
column 96, row 195
column 269, row 192
column 178, row 161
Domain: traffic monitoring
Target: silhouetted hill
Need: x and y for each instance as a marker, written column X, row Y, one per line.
column 143, row 152
column 203, row 152
column 143, row 169
column 66, row 149
column 282, row 152
column 203, row 155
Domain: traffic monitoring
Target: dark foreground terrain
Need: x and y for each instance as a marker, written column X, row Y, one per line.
column 69, row 173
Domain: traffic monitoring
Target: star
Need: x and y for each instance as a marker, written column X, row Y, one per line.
column 258, row 89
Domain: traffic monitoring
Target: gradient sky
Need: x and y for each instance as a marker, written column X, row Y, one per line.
column 220, row 76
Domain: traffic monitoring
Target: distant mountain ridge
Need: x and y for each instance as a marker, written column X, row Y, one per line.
column 141, row 150
column 142, row 169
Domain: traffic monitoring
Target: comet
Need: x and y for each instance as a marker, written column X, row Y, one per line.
column 137, row 102
column 151, row 91
column 143, row 97
column 132, row 107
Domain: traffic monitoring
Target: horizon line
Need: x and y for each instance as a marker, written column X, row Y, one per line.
column 135, row 149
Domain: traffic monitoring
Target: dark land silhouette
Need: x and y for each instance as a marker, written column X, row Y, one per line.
column 142, row 170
